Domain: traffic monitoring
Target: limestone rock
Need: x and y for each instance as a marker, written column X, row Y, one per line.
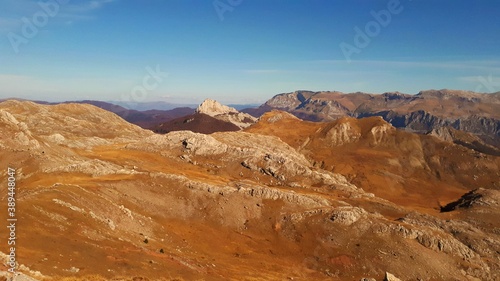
column 214, row 108
column 225, row 113
column 390, row 277
column 347, row 215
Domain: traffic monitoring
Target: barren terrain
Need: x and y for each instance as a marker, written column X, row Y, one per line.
column 285, row 199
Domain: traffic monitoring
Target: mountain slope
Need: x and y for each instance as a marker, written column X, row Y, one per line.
column 388, row 162
column 147, row 119
column 99, row 196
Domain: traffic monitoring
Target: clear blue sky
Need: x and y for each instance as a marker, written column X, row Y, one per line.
column 245, row 52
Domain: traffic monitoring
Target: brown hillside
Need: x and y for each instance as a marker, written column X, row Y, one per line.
column 99, row 197
column 405, row 168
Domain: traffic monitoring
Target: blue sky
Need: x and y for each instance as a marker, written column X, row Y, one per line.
column 243, row 51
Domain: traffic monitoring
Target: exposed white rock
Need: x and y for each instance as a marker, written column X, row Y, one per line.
column 390, row 277
column 380, row 132
column 343, row 133
column 214, row 108
column 347, row 215
column 225, row 113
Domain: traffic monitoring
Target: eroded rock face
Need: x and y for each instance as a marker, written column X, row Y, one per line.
column 347, row 215
column 225, row 113
column 213, row 108
column 286, row 101
column 343, row 133
column 423, row 122
column 442, row 133
column 262, row 155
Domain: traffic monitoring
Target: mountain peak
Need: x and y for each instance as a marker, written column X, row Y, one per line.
column 213, row 108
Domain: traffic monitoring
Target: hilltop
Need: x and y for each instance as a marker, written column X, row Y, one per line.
column 209, row 117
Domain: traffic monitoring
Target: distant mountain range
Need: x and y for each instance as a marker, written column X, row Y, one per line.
column 147, row 119
column 160, row 105
column 471, row 112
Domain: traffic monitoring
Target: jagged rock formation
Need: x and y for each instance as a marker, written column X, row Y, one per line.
column 225, row 113
column 477, row 197
column 465, row 139
column 209, row 117
column 471, row 112
column 488, row 129
column 111, row 199
column 213, row 108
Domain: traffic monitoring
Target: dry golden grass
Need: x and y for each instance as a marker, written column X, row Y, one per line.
column 95, row 277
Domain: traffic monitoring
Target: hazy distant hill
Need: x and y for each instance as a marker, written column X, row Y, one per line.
column 148, row 119
column 156, row 105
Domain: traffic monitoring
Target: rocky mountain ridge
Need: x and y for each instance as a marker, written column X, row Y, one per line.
column 471, row 112
column 427, row 111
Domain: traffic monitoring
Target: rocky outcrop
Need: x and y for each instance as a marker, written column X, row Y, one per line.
column 423, row 122
column 477, row 197
column 465, row 139
column 213, row 108
column 209, row 117
column 264, row 155
column 343, row 133
column 443, row 133
column 390, row 277
column 240, row 119
column 289, row 101
column 225, row 113
column 347, row 215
